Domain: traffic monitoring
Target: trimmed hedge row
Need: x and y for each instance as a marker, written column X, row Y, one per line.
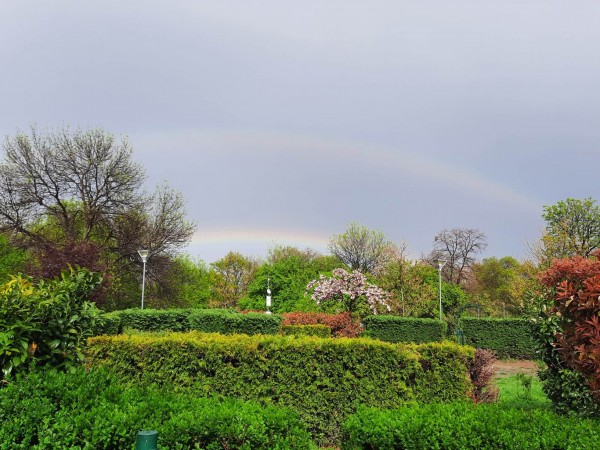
column 405, row 329
column 321, row 379
column 467, row 427
column 93, row 411
column 508, row 338
column 207, row 320
column 306, row 330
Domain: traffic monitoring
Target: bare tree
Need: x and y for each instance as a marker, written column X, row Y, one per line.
column 360, row 248
column 68, row 187
column 458, row 248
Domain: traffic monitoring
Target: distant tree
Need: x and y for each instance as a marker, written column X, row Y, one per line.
column 12, row 259
column 360, row 248
column 287, row 271
column 572, row 228
column 458, row 248
column 232, row 275
column 191, row 280
column 72, row 189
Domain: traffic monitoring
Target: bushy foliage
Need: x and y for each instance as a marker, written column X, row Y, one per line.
column 306, row 330
column 342, row 325
column 481, row 372
column 349, row 291
column 404, row 329
column 466, row 427
column 507, row 338
column 322, row 379
column 46, row 322
column 93, row 411
column 155, row 319
column 231, row 322
column 567, row 330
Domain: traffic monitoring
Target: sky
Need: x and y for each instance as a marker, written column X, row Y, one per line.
column 281, row 122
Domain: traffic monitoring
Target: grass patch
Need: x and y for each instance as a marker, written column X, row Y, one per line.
column 522, row 391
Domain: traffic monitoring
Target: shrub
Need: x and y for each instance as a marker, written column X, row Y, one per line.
column 93, row 411
column 109, row 323
column 508, row 338
column 322, row 379
column 567, row 330
column 404, row 329
column 342, row 325
column 481, row 372
column 306, row 330
column 46, row 322
column 155, row 319
column 229, row 322
column 465, row 427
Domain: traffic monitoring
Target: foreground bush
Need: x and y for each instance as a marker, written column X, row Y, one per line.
column 507, row 338
column 465, row 427
column 405, row 329
column 322, row 379
column 46, row 323
column 92, row 411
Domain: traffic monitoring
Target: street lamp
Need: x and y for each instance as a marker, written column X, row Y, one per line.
column 268, row 296
column 441, row 263
column 144, row 255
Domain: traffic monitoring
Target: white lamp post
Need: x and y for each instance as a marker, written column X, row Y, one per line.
column 268, row 296
column 441, row 265
column 144, row 255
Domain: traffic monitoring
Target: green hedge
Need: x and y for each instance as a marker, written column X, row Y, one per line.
column 155, row 319
column 230, row 322
column 405, row 329
column 109, row 323
column 94, row 411
column 467, row 427
column 322, row 379
column 306, row 330
column 508, row 338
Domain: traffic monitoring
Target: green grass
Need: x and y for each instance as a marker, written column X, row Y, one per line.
column 522, row 392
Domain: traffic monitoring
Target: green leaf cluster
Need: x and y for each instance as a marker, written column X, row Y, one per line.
column 322, row 379
column 508, row 338
column 93, row 411
column 462, row 426
column 46, row 322
column 405, row 329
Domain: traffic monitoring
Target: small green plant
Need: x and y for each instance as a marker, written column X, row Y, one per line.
column 525, row 382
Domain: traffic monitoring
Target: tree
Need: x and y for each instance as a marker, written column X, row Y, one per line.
column 287, row 271
column 360, row 248
column 62, row 189
column 572, row 228
column 458, row 248
column 350, row 291
column 232, row 276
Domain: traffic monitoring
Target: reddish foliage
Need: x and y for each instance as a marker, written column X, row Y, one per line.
column 577, row 303
column 341, row 325
column 481, row 372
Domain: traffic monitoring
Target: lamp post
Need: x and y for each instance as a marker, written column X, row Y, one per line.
column 144, row 255
column 441, row 263
column 268, row 296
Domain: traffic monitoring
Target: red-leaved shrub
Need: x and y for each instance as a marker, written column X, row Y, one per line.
column 341, row 325
column 481, row 372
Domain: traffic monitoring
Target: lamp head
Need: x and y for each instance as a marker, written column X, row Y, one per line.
column 144, row 255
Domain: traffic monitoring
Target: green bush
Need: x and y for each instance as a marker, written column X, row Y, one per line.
column 306, row 330
column 109, row 323
column 46, row 323
column 230, row 322
column 508, row 338
column 404, row 329
column 155, row 319
column 93, row 411
column 467, row 426
column 321, row 379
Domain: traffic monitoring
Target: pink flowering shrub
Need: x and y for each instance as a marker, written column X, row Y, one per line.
column 351, row 291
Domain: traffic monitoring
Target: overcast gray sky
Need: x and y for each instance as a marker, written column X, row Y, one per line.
column 283, row 121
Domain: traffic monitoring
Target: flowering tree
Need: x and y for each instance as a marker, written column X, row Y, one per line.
column 351, row 290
